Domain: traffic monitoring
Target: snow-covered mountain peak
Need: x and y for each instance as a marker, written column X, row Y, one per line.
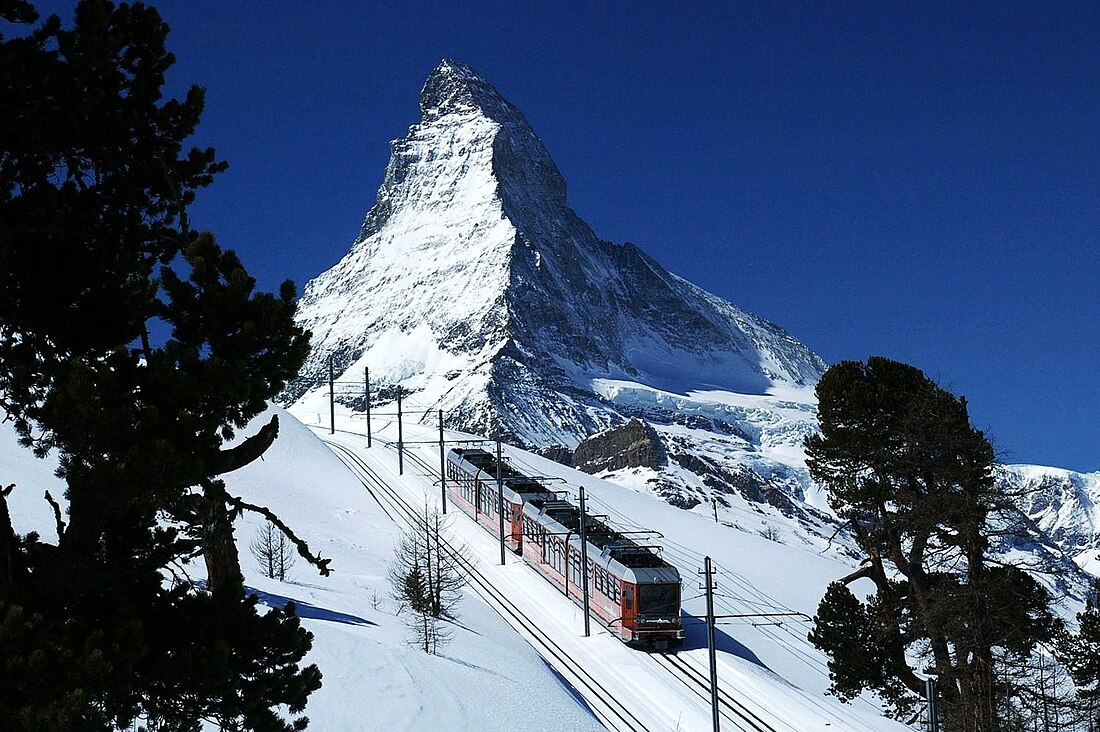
column 455, row 88
column 474, row 285
column 470, row 139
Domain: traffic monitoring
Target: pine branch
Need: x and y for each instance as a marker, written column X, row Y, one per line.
column 248, row 450
column 866, row 569
column 303, row 548
column 56, row 515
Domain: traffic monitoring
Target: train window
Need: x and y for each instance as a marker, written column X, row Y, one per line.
column 628, row 597
column 488, row 500
column 659, row 600
column 614, row 588
column 531, row 531
column 555, row 557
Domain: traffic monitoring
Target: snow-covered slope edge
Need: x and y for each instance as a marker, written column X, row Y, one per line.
column 769, row 667
column 372, row 678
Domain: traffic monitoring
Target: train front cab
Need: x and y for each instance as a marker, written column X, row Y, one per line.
column 651, row 612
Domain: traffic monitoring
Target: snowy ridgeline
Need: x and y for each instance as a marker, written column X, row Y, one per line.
column 488, row 678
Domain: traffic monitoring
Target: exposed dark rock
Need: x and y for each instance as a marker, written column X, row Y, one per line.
column 557, row 453
column 632, row 445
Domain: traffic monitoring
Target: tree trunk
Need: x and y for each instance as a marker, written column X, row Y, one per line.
column 978, row 695
column 11, row 564
column 219, row 548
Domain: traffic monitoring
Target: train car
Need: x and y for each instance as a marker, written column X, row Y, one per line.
column 634, row 591
column 472, row 486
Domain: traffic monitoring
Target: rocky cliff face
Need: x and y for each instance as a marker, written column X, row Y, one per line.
column 1062, row 504
column 632, row 445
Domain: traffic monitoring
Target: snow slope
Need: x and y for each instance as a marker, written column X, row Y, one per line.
column 766, row 662
column 489, row 675
column 372, row 678
column 488, row 678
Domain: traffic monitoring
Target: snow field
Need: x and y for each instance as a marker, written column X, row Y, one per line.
column 790, row 577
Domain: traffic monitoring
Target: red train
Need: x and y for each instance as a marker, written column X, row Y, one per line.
column 632, row 589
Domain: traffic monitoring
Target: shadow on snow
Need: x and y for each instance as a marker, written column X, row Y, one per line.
column 306, row 610
column 697, row 638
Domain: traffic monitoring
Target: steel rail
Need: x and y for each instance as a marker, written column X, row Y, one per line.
column 729, row 705
column 613, row 709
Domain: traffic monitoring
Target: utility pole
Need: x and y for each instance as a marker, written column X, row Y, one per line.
column 500, row 501
column 400, row 443
column 584, row 564
column 933, row 710
column 366, row 387
column 331, row 399
column 714, row 502
column 708, row 571
column 442, row 466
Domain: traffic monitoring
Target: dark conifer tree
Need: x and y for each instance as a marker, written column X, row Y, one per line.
column 1080, row 650
column 134, row 349
column 914, row 481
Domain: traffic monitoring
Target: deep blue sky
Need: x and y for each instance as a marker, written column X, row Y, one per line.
column 919, row 180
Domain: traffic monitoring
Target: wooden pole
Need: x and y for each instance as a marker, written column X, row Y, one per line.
column 400, row 444
column 710, row 646
column 331, row 399
column 442, row 466
column 584, row 565
column 500, row 501
column 366, row 386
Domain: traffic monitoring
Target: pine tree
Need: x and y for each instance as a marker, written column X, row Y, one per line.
column 913, row 480
column 271, row 550
column 1080, row 652
column 427, row 580
column 133, row 348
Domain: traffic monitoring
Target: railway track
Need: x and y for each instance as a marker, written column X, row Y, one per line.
column 612, row 712
column 731, row 710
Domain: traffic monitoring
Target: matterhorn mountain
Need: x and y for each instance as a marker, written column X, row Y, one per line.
column 474, row 288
